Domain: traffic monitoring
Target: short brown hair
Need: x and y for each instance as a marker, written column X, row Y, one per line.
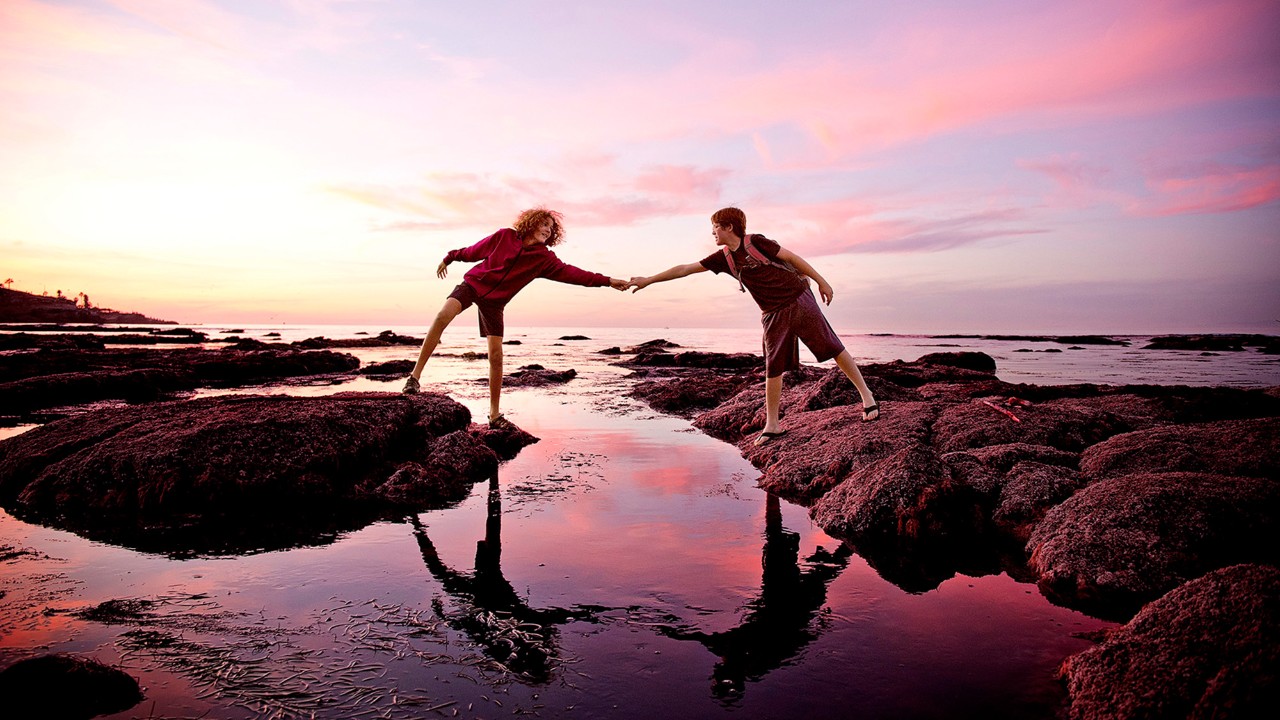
column 530, row 219
column 734, row 218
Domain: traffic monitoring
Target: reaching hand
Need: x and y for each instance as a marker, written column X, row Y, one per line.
column 638, row 283
column 443, row 269
column 619, row 284
column 824, row 289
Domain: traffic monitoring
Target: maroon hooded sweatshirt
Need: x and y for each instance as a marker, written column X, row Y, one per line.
column 508, row 265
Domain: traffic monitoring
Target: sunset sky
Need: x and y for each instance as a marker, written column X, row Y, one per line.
column 987, row 166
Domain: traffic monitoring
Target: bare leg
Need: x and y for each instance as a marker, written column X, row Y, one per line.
column 850, row 368
column 446, row 315
column 495, row 375
column 772, row 403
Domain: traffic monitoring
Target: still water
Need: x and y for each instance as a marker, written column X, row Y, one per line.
column 624, row 566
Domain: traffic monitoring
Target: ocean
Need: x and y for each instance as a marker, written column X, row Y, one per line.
column 630, row 559
column 1042, row 362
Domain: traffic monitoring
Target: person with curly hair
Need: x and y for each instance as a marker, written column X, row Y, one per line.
column 508, row 260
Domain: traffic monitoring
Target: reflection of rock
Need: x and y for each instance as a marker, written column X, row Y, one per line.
column 1209, row 649
column 65, row 686
column 234, row 473
column 51, row 377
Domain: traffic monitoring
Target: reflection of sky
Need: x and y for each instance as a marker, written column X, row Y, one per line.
column 658, row 524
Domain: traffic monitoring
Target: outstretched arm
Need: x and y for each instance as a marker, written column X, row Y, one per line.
column 799, row 263
column 561, row 271
column 679, row 271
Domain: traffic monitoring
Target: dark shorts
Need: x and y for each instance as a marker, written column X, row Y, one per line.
column 490, row 313
column 799, row 320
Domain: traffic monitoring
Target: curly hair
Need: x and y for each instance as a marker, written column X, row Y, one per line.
column 733, row 217
column 530, row 219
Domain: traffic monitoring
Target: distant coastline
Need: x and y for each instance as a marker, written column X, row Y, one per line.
column 22, row 307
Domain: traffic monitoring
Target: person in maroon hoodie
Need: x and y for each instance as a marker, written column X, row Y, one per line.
column 508, row 260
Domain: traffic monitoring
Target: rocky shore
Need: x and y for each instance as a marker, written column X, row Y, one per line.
column 49, row 377
column 247, row 473
column 1155, row 505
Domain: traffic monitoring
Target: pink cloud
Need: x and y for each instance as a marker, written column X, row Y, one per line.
column 836, row 228
column 458, row 200
column 680, row 180
column 1079, row 182
column 1208, row 188
column 1048, row 68
column 1217, row 190
column 192, row 19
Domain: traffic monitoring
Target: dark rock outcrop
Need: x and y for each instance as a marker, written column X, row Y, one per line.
column 386, row 338
column 239, row 473
column 1124, row 541
column 535, row 376
column 21, row 307
column 695, row 359
column 961, row 426
column 392, row 368
column 1106, row 496
column 66, row 687
column 1209, row 649
column 831, row 446
column 691, row 392
column 908, row 496
column 1230, row 447
column 966, row 360
column 53, row 377
column 1212, row 343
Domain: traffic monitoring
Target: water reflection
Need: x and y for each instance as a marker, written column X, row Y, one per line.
column 778, row 623
column 521, row 638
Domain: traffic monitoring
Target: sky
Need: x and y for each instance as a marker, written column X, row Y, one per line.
column 991, row 166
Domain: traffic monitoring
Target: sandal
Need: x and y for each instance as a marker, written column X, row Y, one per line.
column 765, row 437
column 867, row 413
column 500, row 422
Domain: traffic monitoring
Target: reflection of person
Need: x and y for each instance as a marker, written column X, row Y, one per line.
column 509, row 259
column 776, row 624
column 778, row 281
column 493, row 613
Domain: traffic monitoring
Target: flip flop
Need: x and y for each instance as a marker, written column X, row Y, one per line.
column 765, row 437
column 871, row 409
